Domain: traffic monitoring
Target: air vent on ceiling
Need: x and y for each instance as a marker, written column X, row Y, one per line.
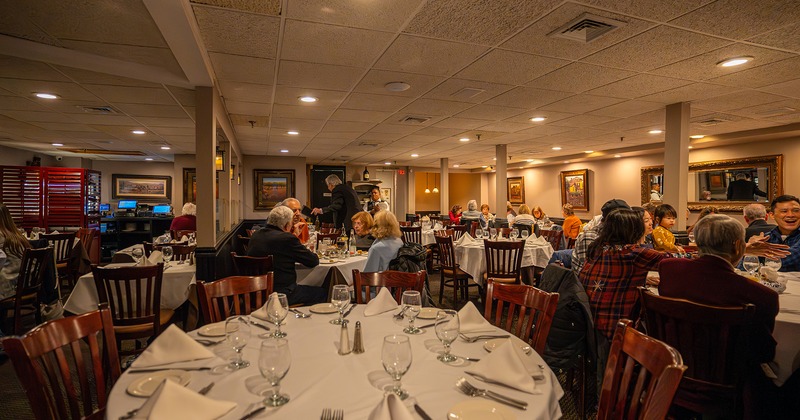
column 368, row 144
column 467, row 93
column 586, row 28
column 414, row 119
column 711, row 122
column 104, row 152
column 99, row 110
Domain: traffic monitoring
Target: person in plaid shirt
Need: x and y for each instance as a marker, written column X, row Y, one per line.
column 786, row 213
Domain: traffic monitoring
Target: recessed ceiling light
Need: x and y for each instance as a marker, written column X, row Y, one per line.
column 566, row 161
column 165, row 148
column 292, row 133
column 538, row 119
column 139, row 132
column 58, row 144
column 529, row 161
column 387, row 163
column 691, row 147
column 455, row 166
column 588, row 151
column 308, row 99
column 464, row 139
column 617, row 156
column 556, row 148
column 494, row 158
column 656, row 131
column 284, row 150
column 45, row 95
column 397, row 86
column 698, row 136
column 484, row 166
column 414, row 155
column 735, row 61
column 148, row 158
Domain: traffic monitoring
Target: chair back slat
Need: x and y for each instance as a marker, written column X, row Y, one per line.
column 251, row 266
column 528, row 311
column 458, row 230
column 396, row 281
column 447, row 255
column 29, row 284
column 411, row 234
column 235, row 295
column 61, row 243
column 178, row 234
column 504, row 259
column 133, row 293
column 554, row 237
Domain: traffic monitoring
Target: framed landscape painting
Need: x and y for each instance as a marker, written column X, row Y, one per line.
column 141, row 186
column 575, row 189
column 271, row 186
column 516, row 189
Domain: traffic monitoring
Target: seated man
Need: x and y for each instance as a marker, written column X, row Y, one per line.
column 786, row 212
column 755, row 215
column 299, row 225
column 276, row 239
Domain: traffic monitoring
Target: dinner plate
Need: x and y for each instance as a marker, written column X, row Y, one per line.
column 326, row 261
column 147, row 385
column 492, row 344
column 479, row 410
column 213, row 330
column 323, row 308
column 428, row 313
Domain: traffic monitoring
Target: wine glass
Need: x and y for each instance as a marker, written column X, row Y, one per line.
column 524, row 234
column 479, row 233
column 274, row 361
column 750, row 263
column 447, row 327
column 277, row 309
column 340, row 297
column 166, row 255
column 412, row 304
column 514, row 234
column 396, row 359
column 773, row 263
column 137, row 253
column 691, row 237
column 493, row 234
column 237, row 333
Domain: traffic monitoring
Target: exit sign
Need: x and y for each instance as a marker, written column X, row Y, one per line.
column 401, row 172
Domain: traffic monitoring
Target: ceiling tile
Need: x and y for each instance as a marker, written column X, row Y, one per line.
column 370, row 102
column 185, row 97
column 326, row 99
column 395, row 128
column 524, row 97
column 19, row 68
column 510, row 67
column 460, row 123
column 149, row 56
column 385, row 16
column 739, row 19
column 243, row 69
column 247, row 92
column 704, row 66
column 581, row 103
column 639, row 85
column 358, row 115
column 490, row 112
column 505, row 126
column 247, row 108
column 762, row 76
column 317, row 76
column 584, row 120
column 26, row 88
column 238, row 33
column 346, row 127
column 790, row 88
column 132, row 95
column 427, row 56
column 651, row 9
column 551, row 116
column 772, row 110
column 787, row 37
column 738, row 100
column 457, row 89
column 36, row 116
column 428, row 107
column 299, row 111
column 579, row 77
column 146, row 110
column 627, row 109
column 329, row 44
column 689, row 93
column 166, row 122
column 61, row 127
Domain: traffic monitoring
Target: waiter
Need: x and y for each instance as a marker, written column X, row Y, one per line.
column 344, row 203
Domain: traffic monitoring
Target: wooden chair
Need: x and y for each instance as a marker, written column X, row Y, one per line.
column 62, row 244
column 396, row 281
column 182, row 253
column 86, row 238
column 571, row 243
column 251, row 266
column 327, row 226
column 50, row 362
column 434, row 220
column 404, row 223
column 554, row 237
column 330, row 231
column 458, row 230
column 244, row 242
column 451, row 275
column 714, row 343
column 503, row 260
column 29, row 283
column 532, row 229
column 178, row 234
column 134, row 297
column 528, row 311
column 446, row 222
column 235, row 295
column 504, row 232
column 444, row 232
column 411, row 234
column 332, row 236
column 473, row 226
column 641, row 376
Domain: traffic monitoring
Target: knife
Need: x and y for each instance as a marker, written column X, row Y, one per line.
column 254, row 412
column 349, row 310
column 426, row 326
column 262, row 326
column 422, row 412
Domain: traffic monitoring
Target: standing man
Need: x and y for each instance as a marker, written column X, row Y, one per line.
column 755, row 215
column 299, row 225
column 786, row 212
column 655, row 192
column 374, row 198
column 344, row 203
column 743, row 188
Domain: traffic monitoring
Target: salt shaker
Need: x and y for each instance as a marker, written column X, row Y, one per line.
column 358, row 341
column 344, row 340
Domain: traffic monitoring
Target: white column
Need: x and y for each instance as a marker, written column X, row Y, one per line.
column 205, row 145
column 223, row 179
column 676, row 159
column 444, row 186
column 411, row 193
column 501, row 174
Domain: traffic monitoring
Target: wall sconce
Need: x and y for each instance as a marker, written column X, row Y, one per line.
column 233, row 170
column 239, row 179
column 219, row 160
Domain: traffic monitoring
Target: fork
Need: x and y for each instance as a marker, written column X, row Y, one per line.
column 330, row 414
column 402, row 312
column 472, row 391
column 482, row 337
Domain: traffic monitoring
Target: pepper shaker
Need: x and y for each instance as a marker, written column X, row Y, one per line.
column 358, row 341
column 344, row 340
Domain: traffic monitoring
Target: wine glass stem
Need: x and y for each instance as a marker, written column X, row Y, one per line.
column 238, row 357
column 446, row 349
column 396, row 387
column 341, row 315
column 276, row 391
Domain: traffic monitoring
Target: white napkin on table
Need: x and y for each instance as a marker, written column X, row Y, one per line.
column 472, row 320
column 273, row 305
column 536, row 240
column 390, row 408
column 154, row 258
column 381, row 303
column 184, row 239
column 438, row 226
column 173, row 401
column 504, row 366
column 172, row 346
column 465, row 239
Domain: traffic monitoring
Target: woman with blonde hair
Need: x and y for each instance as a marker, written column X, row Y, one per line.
column 386, row 231
column 571, row 224
column 12, row 244
column 524, row 216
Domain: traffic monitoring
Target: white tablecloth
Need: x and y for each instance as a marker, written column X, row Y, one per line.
column 316, row 276
column 175, row 286
column 319, row 378
column 787, row 329
column 472, row 259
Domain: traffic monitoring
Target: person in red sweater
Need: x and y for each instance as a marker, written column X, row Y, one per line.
column 455, row 214
column 187, row 220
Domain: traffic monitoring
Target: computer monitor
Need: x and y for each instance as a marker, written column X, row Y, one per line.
column 161, row 209
column 105, row 207
column 126, row 205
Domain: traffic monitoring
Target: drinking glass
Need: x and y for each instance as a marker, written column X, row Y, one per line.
column 340, row 297
column 524, row 234
column 514, row 234
column 493, row 234
column 274, row 361
column 750, row 263
column 166, row 255
column 396, row 359
column 277, row 309
column 412, row 304
column 691, row 238
column 447, row 327
column 774, row 263
column 478, row 233
column 237, row 333
column 137, row 253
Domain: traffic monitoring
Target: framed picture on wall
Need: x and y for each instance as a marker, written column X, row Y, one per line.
column 386, row 194
column 141, row 186
column 575, row 189
column 271, row 186
column 189, row 185
column 516, row 189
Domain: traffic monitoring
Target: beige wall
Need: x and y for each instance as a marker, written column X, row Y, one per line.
column 464, row 187
column 423, row 201
column 10, row 156
column 250, row 163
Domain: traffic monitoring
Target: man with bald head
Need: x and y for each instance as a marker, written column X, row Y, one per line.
column 299, row 225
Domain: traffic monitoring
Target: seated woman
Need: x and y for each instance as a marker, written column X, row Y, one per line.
column 455, row 214
column 187, row 220
column 485, row 217
column 524, row 216
column 539, row 216
column 572, row 224
column 648, row 226
column 13, row 244
column 362, row 229
column 703, row 213
column 472, row 211
column 386, row 231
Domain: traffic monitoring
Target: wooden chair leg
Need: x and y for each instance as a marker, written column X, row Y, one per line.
column 441, row 286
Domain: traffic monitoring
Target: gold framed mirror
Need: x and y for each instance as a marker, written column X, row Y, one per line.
column 725, row 184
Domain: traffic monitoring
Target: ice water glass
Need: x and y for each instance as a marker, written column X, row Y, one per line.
column 773, row 263
column 277, row 309
column 447, row 327
column 493, row 234
column 514, row 234
column 412, row 303
column 237, row 334
column 137, row 254
column 750, row 263
column 274, row 361
column 524, row 234
column 166, row 255
column 396, row 359
column 340, row 297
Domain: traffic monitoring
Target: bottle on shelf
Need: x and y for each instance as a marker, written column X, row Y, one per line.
column 366, row 174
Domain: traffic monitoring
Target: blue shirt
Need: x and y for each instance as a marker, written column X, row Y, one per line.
column 381, row 252
column 792, row 261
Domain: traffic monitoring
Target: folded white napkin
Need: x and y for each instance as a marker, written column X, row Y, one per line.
column 438, row 226
column 465, row 239
column 272, row 306
column 390, row 408
column 172, row 346
column 185, row 239
column 536, row 240
column 472, row 320
column 154, row 258
column 381, row 303
column 773, row 280
column 55, row 232
column 505, row 366
column 172, row 401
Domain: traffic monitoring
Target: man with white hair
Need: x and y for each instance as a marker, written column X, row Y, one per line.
column 299, row 225
column 344, row 203
column 743, row 188
column 277, row 240
column 187, row 220
column 755, row 215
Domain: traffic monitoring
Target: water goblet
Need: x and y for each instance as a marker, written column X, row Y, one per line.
column 340, row 297
column 274, row 360
column 773, row 263
column 493, row 234
column 166, row 255
column 514, row 234
column 396, row 359
column 524, row 234
column 750, row 263
column 237, row 334
column 137, row 254
column 412, row 304
column 277, row 309
column 447, row 327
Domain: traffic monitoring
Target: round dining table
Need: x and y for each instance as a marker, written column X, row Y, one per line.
column 471, row 257
column 320, row 378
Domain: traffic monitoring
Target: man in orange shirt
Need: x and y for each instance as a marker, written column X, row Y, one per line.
column 299, row 225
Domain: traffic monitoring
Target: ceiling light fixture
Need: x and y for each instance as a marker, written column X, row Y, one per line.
column 588, row 151
column 165, row 147
column 566, row 161
column 427, row 189
column 293, row 133
column 58, row 144
column 284, row 150
column 45, row 95
column 456, row 166
column 464, row 139
column 556, row 148
column 435, row 181
column 308, row 99
column 148, row 158
column 529, row 161
column 691, row 147
column 138, row 132
column 656, row 131
column 397, row 86
column 387, row 163
column 538, row 119
column 484, row 166
column 697, row 136
column 735, row 61
column 617, row 156
column 414, row 155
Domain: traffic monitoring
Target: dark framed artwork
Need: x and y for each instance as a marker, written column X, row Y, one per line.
column 516, row 189
column 271, row 186
column 189, row 185
column 153, row 187
column 575, row 189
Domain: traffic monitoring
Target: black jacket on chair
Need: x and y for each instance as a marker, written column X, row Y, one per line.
column 286, row 250
column 757, row 226
column 344, row 205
